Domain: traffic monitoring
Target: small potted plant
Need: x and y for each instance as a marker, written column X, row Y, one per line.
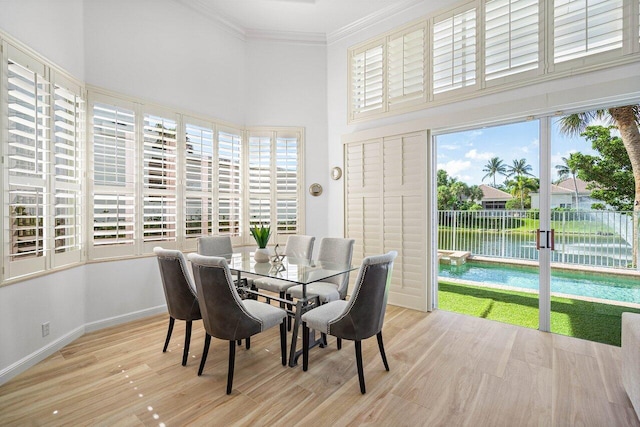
column 261, row 235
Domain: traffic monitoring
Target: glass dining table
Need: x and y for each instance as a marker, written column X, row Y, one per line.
column 298, row 271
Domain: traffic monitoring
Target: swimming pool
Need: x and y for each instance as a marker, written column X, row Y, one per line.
column 594, row 285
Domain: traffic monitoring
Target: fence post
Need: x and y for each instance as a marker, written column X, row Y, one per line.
column 453, row 229
column 503, row 234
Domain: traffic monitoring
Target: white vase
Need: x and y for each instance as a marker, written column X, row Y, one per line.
column 261, row 255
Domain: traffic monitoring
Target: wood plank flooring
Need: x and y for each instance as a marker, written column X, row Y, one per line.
column 446, row 370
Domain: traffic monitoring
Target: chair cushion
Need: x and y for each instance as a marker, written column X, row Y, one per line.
column 326, row 291
column 319, row 317
column 268, row 315
column 272, row 285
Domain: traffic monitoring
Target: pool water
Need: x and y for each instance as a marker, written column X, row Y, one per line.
column 594, row 285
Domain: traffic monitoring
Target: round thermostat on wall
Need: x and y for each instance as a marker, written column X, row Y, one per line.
column 336, row 173
column 315, row 189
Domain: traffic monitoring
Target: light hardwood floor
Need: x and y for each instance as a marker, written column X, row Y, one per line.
column 446, row 369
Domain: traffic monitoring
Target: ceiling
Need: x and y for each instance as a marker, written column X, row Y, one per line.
column 310, row 20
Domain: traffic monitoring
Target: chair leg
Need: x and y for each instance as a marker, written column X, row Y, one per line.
column 166, row 341
column 187, row 342
column 323, row 340
column 305, row 346
column 339, row 343
column 232, row 360
column 381, row 347
column 290, row 307
column 283, row 340
column 205, row 351
column 359, row 364
column 247, row 343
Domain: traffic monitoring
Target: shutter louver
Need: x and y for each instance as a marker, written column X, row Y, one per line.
column 367, row 83
column 114, row 166
column 229, row 183
column 286, row 184
column 198, row 181
column 160, row 179
column 259, row 180
column 67, row 168
column 586, row 27
column 406, row 61
column 28, row 122
column 511, row 37
column 454, row 52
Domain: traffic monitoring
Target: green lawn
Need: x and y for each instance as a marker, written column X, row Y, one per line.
column 581, row 319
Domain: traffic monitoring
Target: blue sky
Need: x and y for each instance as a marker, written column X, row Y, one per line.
column 464, row 154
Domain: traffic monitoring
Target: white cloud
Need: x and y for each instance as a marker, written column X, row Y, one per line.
column 451, row 147
column 473, row 154
column 455, row 167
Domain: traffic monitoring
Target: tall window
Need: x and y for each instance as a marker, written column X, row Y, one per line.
column 114, row 157
column 274, row 175
column 67, row 153
column 230, row 183
column 454, row 51
column 160, row 153
column 27, row 155
column 198, row 180
column 586, row 27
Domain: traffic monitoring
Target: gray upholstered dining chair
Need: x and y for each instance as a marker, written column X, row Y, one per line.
column 298, row 246
column 359, row 318
column 214, row 245
column 179, row 292
column 336, row 250
column 226, row 316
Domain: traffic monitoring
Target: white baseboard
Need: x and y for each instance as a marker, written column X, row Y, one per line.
column 116, row 320
column 39, row 355
column 42, row 353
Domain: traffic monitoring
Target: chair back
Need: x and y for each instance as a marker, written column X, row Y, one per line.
column 337, row 250
column 299, row 246
column 214, row 245
column 223, row 314
column 364, row 314
column 179, row 289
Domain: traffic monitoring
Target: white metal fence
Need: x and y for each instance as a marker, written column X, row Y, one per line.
column 585, row 237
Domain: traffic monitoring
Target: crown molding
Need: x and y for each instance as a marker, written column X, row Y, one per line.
column 244, row 34
column 225, row 23
column 287, row 37
column 370, row 20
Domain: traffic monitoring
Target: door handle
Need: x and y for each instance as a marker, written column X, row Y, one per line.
column 550, row 242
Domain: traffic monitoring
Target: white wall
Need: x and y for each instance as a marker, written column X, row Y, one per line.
column 598, row 88
column 73, row 301
column 163, row 51
column 286, row 86
column 54, row 29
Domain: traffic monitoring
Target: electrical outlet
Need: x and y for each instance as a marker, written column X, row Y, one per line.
column 45, row 329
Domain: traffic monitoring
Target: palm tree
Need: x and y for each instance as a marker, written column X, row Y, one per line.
column 493, row 167
column 569, row 167
column 519, row 168
column 627, row 120
column 521, row 187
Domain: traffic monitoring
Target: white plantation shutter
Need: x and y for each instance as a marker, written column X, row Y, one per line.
column 511, row 37
column 274, row 187
column 586, row 27
column 287, row 183
column 67, row 153
column 260, row 179
column 230, row 183
column 385, row 209
column 198, row 180
column 454, row 51
column 406, row 66
column 27, row 151
column 367, row 80
column 159, row 179
column 113, row 176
